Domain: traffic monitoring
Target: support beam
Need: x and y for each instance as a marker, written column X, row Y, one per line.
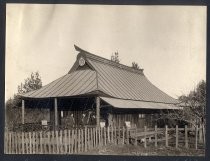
column 56, row 112
column 97, row 111
column 23, row 111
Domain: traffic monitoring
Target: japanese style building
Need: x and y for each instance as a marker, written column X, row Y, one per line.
column 99, row 90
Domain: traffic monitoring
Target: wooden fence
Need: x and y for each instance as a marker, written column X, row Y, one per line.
column 82, row 140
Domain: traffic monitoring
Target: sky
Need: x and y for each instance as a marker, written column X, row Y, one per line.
column 168, row 42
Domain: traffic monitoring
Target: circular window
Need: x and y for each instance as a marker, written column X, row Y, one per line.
column 81, row 61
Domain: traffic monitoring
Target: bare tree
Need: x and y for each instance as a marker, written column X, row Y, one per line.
column 115, row 57
column 135, row 65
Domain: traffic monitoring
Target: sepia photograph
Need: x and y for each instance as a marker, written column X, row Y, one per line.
column 126, row 80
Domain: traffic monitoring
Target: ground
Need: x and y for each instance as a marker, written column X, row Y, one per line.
column 141, row 151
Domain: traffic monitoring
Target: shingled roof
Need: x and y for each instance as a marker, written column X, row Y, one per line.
column 113, row 79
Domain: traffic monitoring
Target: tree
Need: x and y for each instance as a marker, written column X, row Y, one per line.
column 115, row 57
column 13, row 112
column 31, row 83
column 135, row 65
column 194, row 108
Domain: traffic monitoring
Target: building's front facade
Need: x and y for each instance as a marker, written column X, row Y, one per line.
column 99, row 90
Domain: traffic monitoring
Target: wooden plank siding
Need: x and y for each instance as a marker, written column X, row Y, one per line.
column 135, row 120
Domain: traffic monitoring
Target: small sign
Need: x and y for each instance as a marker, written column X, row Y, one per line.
column 62, row 114
column 44, row 122
column 128, row 124
column 102, row 124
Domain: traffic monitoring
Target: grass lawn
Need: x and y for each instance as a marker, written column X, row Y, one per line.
column 141, row 151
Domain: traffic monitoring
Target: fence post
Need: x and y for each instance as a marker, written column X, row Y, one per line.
column 14, row 143
column 23, row 147
column 72, row 142
column 57, row 142
column 30, row 151
column 78, row 140
column 99, row 136
column 196, row 137
column 127, row 136
column 94, row 132
column 88, row 138
column 33, row 140
column 65, row 141
column 91, row 140
column 112, row 134
column 49, row 142
column 145, row 138
column 13, row 147
column 85, row 138
column 18, row 144
column 96, row 135
column 108, row 134
column 102, row 136
column 69, row 142
column 155, row 135
column 135, row 136
column 105, row 139
column 16, row 147
column 200, row 134
column 91, row 137
column 166, row 135
column 82, row 140
column 5, row 141
column 44, row 143
column 61, row 144
column 177, row 136
column 186, row 137
column 123, row 135
column 37, row 143
column 9, row 142
column 40, row 135
column 115, row 135
column 53, row 142
column 27, row 142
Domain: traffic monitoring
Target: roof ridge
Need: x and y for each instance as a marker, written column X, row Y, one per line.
column 107, row 61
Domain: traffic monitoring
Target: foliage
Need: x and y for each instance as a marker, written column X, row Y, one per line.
column 135, row 65
column 194, row 108
column 115, row 57
column 31, row 83
column 13, row 112
column 196, row 104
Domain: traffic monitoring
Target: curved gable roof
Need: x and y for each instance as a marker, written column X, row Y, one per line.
column 100, row 74
column 120, row 81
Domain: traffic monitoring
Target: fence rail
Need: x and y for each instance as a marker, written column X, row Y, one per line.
column 83, row 139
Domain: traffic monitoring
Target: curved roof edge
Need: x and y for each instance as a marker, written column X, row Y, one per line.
column 88, row 55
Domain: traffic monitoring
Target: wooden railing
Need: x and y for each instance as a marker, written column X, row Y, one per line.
column 81, row 140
